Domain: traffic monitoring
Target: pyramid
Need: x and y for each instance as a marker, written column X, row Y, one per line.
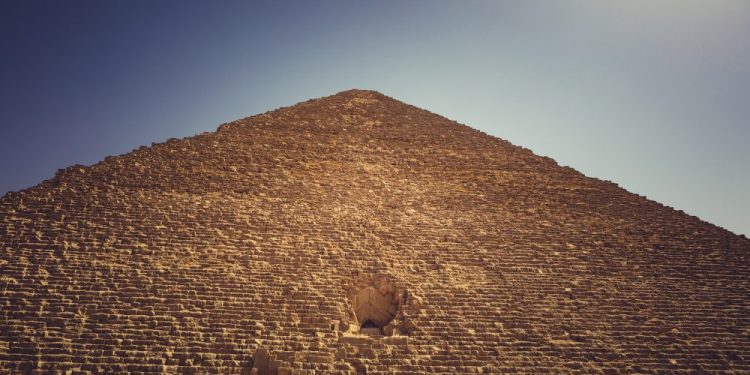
column 355, row 234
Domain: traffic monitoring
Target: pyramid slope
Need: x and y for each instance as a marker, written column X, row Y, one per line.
column 251, row 250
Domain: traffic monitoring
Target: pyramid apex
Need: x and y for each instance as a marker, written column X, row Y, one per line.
column 361, row 93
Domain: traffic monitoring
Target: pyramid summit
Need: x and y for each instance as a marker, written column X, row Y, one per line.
column 355, row 234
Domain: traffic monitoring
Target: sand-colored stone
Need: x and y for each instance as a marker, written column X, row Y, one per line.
column 242, row 251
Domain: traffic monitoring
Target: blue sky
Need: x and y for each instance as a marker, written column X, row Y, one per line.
column 651, row 94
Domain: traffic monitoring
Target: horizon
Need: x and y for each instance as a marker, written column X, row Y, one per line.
column 649, row 97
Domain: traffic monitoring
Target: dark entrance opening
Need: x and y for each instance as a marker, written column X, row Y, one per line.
column 374, row 309
column 370, row 328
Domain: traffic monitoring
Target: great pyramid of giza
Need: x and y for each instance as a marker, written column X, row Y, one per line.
column 355, row 234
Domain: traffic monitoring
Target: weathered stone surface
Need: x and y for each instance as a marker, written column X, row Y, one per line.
column 241, row 252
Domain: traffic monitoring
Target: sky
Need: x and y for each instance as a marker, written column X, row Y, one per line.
column 651, row 94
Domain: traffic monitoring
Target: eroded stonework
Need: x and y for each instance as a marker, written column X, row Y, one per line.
column 266, row 246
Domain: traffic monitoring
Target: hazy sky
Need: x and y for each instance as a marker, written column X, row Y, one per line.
column 651, row 94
